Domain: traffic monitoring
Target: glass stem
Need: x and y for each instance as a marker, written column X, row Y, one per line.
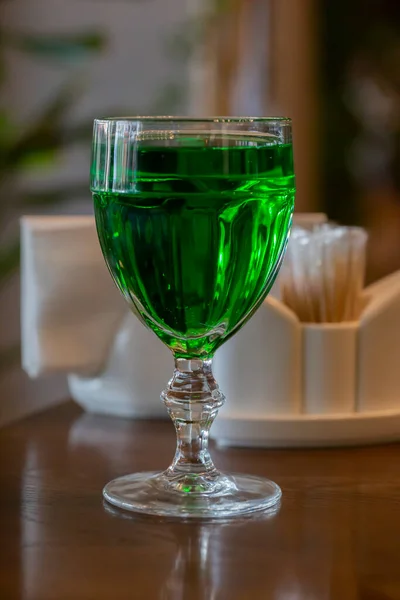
column 193, row 400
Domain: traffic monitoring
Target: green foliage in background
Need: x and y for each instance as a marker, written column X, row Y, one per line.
column 40, row 141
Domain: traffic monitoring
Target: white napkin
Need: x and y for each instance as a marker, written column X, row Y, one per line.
column 70, row 307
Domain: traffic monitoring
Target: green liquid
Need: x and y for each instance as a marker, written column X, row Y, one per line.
column 195, row 244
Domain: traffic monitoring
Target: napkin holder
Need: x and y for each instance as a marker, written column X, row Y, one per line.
column 287, row 383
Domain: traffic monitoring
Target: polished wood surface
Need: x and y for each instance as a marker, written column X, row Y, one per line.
column 336, row 535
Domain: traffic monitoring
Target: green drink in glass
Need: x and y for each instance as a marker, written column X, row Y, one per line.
column 193, row 218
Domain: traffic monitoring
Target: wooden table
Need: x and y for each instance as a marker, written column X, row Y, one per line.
column 336, row 535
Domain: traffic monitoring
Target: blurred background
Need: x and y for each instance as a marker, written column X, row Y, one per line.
column 332, row 65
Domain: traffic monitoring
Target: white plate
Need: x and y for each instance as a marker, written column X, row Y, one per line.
column 307, row 430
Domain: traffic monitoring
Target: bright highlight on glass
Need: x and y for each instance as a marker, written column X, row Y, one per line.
column 193, row 218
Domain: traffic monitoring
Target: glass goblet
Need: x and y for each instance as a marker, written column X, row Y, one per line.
column 193, row 217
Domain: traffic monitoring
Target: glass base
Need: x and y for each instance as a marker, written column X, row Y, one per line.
column 151, row 493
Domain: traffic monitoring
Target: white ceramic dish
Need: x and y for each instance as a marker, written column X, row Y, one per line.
column 283, row 431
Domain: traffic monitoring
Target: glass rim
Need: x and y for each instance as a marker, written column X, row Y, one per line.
column 281, row 120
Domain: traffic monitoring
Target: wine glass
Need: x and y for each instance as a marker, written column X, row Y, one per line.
column 193, row 217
